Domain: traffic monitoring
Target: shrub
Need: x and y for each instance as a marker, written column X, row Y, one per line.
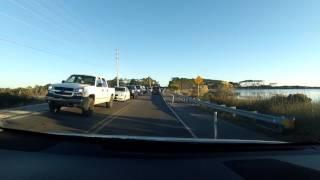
column 21, row 96
column 224, row 89
column 307, row 114
column 298, row 98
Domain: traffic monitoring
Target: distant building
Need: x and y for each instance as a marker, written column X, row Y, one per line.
column 252, row 83
column 273, row 84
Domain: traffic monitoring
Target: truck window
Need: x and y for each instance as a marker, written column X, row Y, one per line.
column 104, row 83
column 99, row 82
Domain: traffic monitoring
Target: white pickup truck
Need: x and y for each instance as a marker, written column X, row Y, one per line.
column 83, row 91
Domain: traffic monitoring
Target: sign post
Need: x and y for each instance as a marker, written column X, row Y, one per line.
column 198, row 81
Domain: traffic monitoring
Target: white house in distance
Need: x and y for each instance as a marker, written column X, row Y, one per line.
column 256, row 83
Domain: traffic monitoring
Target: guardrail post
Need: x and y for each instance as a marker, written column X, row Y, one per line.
column 234, row 107
column 215, row 124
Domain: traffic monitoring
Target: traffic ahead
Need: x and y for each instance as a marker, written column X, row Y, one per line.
column 83, row 91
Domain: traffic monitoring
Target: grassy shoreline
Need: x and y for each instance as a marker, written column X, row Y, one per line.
column 9, row 101
column 22, row 96
column 306, row 113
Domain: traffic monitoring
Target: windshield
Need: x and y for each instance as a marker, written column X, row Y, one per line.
column 120, row 89
column 205, row 69
column 80, row 79
column 131, row 87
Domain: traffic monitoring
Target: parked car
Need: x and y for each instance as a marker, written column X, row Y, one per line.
column 149, row 90
column 139, row 90
column 133, row 91
column 83, row 91
column 122, row 94
column 144, row 90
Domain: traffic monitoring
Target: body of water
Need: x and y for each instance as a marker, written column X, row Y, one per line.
column 314, row 94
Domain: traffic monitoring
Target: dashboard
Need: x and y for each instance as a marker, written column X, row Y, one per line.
column 33, row 156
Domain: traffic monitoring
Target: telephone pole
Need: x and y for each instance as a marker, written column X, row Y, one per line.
column 117, row 66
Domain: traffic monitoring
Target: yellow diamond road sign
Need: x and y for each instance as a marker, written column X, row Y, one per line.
column 198, row 80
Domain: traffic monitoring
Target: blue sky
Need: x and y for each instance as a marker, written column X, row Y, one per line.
column 44, row 41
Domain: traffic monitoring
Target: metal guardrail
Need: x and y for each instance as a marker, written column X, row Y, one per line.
column 275, row 123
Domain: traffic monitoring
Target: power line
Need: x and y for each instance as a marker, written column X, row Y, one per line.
column 39, row 14
column 30, row 47
column 40, row 50
column 32, row 26
column 62, row 18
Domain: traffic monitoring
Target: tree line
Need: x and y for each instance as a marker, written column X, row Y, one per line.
column 147, row 81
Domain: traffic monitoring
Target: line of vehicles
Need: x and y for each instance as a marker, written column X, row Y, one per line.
column 86, row 91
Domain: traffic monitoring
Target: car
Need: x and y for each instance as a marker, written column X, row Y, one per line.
column 82, row 91
column 156, row 90
column 133, row 91
column 149, row 90
column 139, row 90
column 144, row 89
column 122, row 94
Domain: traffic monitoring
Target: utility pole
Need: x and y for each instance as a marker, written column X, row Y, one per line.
column 149, row 79
column 117, row 65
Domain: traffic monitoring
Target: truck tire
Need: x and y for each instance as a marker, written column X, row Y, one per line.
column 88, row 108
column 110, row 103
column 53, row 107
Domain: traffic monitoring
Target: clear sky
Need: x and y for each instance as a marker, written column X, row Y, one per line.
column 44, row 41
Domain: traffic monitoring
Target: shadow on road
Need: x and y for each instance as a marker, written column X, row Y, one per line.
column 160, row 104
column 145, row 116
column 137, row 126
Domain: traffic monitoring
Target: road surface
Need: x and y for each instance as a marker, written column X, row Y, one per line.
column 145, row 116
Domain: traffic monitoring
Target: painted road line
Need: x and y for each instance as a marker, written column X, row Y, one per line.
column 179, row 119
column 106, row 119
column 24, row 107
column 4, row 116
column 23, row 116
column 19, row 116
column 110, row 120
column 23, row 111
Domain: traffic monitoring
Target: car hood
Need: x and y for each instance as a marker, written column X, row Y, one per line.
column 166, row 139
column 70, row 85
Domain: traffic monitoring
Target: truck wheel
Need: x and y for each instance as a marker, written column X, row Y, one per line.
column 53, row 107
column 89, row 108
column 110, row 103
column 58, row 108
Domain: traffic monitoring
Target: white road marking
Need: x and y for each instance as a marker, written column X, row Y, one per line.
column 179, row 119
column 109, row 120
column 100, row 123
column 23, row 111
column 4, row 116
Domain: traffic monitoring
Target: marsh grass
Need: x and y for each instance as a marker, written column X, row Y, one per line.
column 298, row 106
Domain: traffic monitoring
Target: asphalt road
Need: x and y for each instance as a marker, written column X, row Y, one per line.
column 145, row 116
